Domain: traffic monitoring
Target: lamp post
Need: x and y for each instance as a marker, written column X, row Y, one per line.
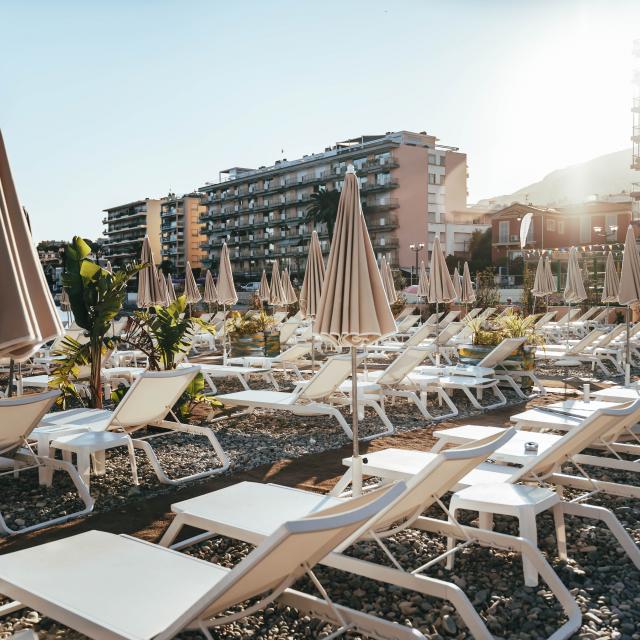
column 416, row 248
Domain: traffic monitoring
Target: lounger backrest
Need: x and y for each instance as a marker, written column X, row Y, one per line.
column 407, row 311
column 19, row 417
column 570, row 315
column 420, row 335
column 406, row 323
column 295, row 353
column 450, row 317
column 279, row 316
column 472, row 313
column 488, row 312
column 437, row 477
column 151, row 396
column 585, row 433
column 284, row 556
column 608, row 338
column 501, row 352
column 587, row 341
column 452, row 329
column 329, row 377
column 544, row 319
column 287, row 330
column 588, row 314
column 404, row 364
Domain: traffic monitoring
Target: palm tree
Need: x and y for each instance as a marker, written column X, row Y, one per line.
column 324, row 208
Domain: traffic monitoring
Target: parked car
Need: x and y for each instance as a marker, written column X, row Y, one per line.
column 250, row 286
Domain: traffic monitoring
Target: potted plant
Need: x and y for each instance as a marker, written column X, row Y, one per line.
column 483, row 339
column 252, row 335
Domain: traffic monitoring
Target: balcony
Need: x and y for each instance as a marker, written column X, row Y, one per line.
column 374, row 186
column 389, row 203
column 389, row 221
column 385, row 243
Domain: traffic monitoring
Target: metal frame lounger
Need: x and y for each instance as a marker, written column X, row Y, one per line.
column 147, row 403
column 316, row 397
column 18, row 417
column 539, row 470
column 250, row 511
column 147, row 592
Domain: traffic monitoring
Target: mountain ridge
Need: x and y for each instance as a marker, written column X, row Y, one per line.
column 604, row 175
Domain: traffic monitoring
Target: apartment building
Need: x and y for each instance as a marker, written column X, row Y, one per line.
column 181, row 230
column 408, row 182
column 126, row 227
column 598, row 222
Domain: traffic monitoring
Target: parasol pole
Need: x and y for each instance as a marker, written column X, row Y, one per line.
column 356, row 465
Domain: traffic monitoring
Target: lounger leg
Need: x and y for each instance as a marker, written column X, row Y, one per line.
column 133, row 463
column 529, row 531
column 561, row 532
column 99, row 467
column 172, row 532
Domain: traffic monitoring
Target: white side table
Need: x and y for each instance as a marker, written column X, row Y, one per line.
column 93, row 442
column 520, row 501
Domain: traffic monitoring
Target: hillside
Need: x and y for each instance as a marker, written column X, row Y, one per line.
column 604, row 175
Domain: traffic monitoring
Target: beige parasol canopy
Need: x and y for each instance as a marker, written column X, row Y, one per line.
column 263, row 291
column 550, row 279
column 440, row 285
column 629, row 292
column 170, row 290
column 290, row 296
column 149, row 293
column 277, row 295
column 210, row 293
column 227, row 295
column 164, row 290
column 611, row 285
column 28, row 315
column 387, row 281
column 468, row 294
column 353, row 309
column 574, row 291
column 423, row 282
column 457, row 283
column 191, row 290
column 313, row 279
column 540, row 281
column 630, row 278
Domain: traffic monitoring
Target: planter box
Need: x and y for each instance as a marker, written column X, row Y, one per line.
column 255, row 345
column 522, row 357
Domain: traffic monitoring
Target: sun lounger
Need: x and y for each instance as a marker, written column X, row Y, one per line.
column 250, row 511
column 143, row 591
column 291, row 359
column 19, row 417
column 315, row 397
column 147, row 403
column 540, row 469
column 396, row 381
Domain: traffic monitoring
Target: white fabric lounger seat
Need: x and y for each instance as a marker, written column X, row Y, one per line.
column 146, row 592
column 399, row 464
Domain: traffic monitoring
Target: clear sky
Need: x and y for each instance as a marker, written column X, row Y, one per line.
column 106, row 102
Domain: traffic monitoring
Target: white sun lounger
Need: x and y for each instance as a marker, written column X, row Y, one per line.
column 18, row 418
column 147, row 403
column 541, row 468
column 290, row 359
column 315, row 397
column 142, row 591
column 395, row 381
column 250, row 511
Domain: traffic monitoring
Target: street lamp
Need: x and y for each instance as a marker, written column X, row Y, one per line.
column 416, row 248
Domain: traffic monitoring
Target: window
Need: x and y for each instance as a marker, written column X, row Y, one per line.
column 560, row 226
column 585, row 229
column 551, row 225
column 503, row 231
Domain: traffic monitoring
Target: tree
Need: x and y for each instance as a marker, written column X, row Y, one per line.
column 452, row 262
column 96, row 297
column 324, row 208
column 480, row 250
column 167, row 267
